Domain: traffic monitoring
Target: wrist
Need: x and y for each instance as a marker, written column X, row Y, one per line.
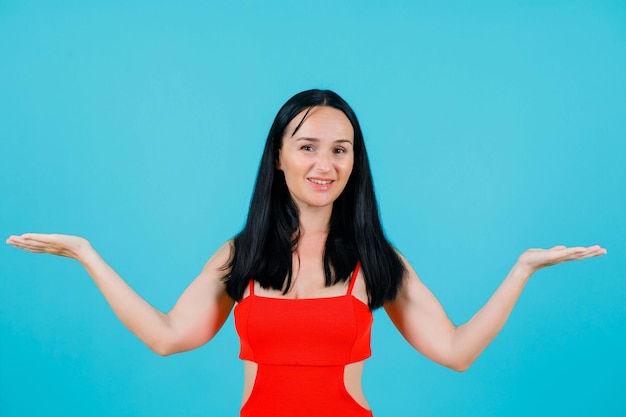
column 523, row 270
column 84, row 251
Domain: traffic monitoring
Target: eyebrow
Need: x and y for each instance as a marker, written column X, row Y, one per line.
column 317, row 140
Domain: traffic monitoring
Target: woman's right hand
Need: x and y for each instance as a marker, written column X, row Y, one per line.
column 197, row 316
column 53, row 244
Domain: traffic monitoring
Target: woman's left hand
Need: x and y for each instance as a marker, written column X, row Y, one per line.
column 534, row 259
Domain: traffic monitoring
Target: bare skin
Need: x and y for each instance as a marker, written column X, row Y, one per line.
column 317, row 162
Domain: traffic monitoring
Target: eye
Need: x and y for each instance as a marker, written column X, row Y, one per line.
column 340, row 150
column 307, row 148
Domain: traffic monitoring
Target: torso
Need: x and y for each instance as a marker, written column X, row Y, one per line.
column 308, row 293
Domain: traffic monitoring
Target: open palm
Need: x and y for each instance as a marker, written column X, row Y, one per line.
column 54, row 244
column 535, row 259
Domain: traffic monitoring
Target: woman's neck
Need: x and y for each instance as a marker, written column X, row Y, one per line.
column 314, row 220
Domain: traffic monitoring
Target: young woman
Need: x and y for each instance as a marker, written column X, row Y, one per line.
column 304, row 275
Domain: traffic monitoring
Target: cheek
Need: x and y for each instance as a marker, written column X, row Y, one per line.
column 291, row 168
column 347, row 167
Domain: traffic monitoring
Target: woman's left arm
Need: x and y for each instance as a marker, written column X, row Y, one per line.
column 418, row 315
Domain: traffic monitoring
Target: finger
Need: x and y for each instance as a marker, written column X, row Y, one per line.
column 578, row 251
column 16, row 240
column 27, row 247
column 597, row 248
column 575, row 250
column 559, row 254
column 584, row 253
column 29, row 243
column 35, row 242
column 12, row 240
column 38, row 237
column 599, row 251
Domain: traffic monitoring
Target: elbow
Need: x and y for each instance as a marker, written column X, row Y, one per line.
column 162, row 349
column 166, row 341
column 461, row 366
column 457, row 364
column 460, row 356
column 165, row 345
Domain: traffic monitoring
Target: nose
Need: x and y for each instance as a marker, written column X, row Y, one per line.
column 323, row 162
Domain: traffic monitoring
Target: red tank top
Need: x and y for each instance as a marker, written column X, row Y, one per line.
column 301, row 347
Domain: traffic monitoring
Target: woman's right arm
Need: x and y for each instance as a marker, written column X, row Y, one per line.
column 197, row 316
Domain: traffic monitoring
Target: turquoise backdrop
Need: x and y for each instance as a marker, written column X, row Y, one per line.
column 491, row 126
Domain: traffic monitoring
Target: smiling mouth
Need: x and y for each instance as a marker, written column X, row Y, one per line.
column 320, row 182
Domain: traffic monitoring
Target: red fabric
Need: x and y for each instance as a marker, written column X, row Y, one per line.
column 301, row 347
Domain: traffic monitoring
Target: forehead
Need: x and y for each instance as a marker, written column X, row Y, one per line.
column 321, row 122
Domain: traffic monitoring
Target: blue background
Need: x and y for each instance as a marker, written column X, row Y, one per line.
column 491, row 128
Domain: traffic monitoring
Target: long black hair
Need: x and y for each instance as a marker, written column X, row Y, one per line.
column 263, row 249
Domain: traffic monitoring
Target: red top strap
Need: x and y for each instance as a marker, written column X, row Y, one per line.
column 355, row 273
column 251, row 287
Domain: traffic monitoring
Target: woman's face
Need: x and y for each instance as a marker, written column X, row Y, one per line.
column 317, row 160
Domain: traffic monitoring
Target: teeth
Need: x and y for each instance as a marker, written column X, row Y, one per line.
column 320, row 182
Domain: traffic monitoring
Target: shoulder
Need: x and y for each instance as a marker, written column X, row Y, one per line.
column 224, row 252
column 217, row 265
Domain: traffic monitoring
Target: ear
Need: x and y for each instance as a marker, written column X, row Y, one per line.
column 277, row 164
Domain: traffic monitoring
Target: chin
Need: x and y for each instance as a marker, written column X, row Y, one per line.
column 319, row 203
